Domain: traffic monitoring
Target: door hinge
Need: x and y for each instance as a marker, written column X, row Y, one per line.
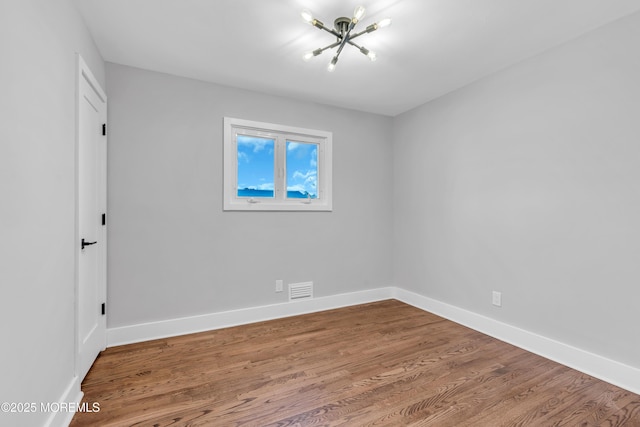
column 104, row 219
column 104, row 308
column 104, row 129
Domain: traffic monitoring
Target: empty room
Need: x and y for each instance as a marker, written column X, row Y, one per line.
column 320, row 213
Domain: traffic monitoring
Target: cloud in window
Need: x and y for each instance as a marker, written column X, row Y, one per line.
column 255, row 144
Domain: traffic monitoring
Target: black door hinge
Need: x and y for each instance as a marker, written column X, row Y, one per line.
column 104, row 129
column 104, row 308
column 104, row 219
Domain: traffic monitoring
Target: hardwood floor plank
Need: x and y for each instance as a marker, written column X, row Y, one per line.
column 379, row 364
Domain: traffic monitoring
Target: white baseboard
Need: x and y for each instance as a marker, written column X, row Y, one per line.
column 597, row 366
column 208, row 322
column 72, row 394
column 608, row 370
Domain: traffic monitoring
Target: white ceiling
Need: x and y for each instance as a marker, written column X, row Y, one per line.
column 432, row 47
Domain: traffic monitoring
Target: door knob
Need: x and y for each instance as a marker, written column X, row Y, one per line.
column 83, row 244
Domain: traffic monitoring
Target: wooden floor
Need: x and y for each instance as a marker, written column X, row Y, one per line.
column 380, row 364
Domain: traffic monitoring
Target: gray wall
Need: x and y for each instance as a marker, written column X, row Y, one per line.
column 528, row 182
column 38, row 41
column 173, row 252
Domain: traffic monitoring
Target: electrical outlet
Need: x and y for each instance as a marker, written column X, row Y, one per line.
column 497, row 298
column 279, row 286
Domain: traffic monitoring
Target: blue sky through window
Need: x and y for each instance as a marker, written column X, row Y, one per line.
column 302, row 170
column 255, row 166
column 271, row 167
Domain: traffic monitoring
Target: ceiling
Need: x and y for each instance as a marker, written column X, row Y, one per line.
column 432, row 47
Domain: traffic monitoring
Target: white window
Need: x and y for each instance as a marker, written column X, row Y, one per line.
column 270, row 167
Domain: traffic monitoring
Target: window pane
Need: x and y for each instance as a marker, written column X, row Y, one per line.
column 255, row 166
column 302, row 170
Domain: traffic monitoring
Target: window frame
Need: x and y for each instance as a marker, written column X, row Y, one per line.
column 280, row 134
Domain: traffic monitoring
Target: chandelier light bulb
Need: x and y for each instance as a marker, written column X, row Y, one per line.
column 307, row 16
column 332, row 64
column 372, row 55
column 307, row 56
column 358, row 13
column 384, row 23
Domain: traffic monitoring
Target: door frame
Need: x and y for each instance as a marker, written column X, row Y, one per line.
column 83, row 72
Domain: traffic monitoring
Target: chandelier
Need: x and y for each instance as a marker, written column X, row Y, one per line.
column 343, row 31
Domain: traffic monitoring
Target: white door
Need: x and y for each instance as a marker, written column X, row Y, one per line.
column 91, row 289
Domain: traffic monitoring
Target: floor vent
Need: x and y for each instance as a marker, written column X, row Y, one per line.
column 298, row 291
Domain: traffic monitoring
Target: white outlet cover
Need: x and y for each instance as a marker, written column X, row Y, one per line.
column 497, row 298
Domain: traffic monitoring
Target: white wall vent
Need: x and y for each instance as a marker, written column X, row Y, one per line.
column 298, row 291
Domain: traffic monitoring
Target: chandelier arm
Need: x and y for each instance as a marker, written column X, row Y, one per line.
column 371, row 28
column 353, row 44
column 362, row 49
column 331, row 46
column 321, row 26
column 357, row 34
column 344, row 40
